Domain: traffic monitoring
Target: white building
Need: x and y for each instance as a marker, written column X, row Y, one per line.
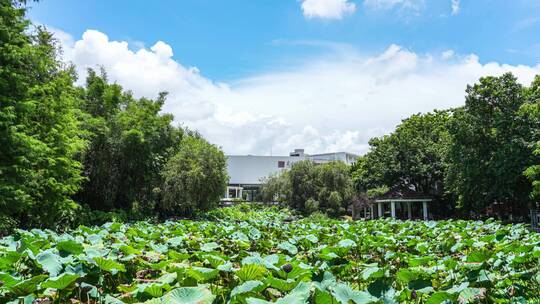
column 247, row 172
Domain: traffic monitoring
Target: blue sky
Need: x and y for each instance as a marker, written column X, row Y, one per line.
column 281, row 74
column 229, row 39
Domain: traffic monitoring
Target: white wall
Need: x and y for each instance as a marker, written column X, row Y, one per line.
column 250, row 169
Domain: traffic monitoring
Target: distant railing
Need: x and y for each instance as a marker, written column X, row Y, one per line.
column 535, row 220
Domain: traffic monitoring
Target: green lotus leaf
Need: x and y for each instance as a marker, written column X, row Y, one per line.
column 280, row 284
column 50, row 262
column 440, row 297
column 202, row 274
column 471, row 295
column 346, row 243
column 70, row 246
column 480, row 256
column 245, row 287
column 208, row 247
column 287, row 246
column 344, row 294
column 109, row 265
column 188, row 295
column 28, row 286
column 372, row 271
column 152, row 289
column 251, row 272
column 8, row 280
column 61, row 282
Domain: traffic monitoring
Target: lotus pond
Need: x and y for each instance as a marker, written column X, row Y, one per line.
column 246, row 256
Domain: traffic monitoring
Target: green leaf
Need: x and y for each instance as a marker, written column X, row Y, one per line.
column 8, row 280
column 478, row 256
column 251, row 272
column 246, row 287
column 202, row 274
column 70, row 246
column 189, row 295
column 440, row 297
column 207, row 247
column 372, row 271
column 288, row 247
column 346, row 243
column 344, row 294
column 152, row 289
column 61, row 282
column 406, row 275
column 471, row 295
column 280, row 284
column 50, row 262
column 109, row 265
column 27, row 287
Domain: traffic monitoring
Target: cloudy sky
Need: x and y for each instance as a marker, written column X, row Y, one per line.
column 268, row 76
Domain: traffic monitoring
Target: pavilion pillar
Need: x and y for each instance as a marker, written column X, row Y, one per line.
column 379, row 209
column 409, row 210
column 371, row 212
column 425, row 210
column 240, row 193
column 393, row 209
column 227, row 192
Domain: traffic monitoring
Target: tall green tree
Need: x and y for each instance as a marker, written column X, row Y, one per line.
column 413, row 156
column 130, row 142
column 39, row 129
column 491, row 147
column 531, row 111
column 309, row 187
column 195, row 178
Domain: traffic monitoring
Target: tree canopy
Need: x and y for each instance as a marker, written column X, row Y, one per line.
column 491, row 147
column 195, row 178
column 39, row 124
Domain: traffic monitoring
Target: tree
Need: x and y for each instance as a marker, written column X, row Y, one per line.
column 276, row 187
column 39, row 125
column 303, row 184
column 130, row 142
column 413, row 156
column 491, row 147
column 310, row 187
column 335, row 187
column 195, row 178
column 531, row 111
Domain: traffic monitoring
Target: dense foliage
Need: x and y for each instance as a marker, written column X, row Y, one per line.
column 39, row 126
column 412, row 156
column 255, row 256
column 130, row 142
column 309, row 187
column 73, row 154
column 478, row 155
column 195, row 178
column 491, row 147
column 532, row 111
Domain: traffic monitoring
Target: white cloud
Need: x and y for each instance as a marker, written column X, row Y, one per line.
column 448, row 54
column 455, row 7
column 327, row 9
column 333, row 103
column 404, row 5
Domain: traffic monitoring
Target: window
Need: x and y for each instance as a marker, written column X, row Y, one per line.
column 281, row 164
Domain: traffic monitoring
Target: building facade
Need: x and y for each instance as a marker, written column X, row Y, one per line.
column 247, row 172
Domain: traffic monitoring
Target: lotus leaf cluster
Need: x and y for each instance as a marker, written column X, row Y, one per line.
column 264, row 257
